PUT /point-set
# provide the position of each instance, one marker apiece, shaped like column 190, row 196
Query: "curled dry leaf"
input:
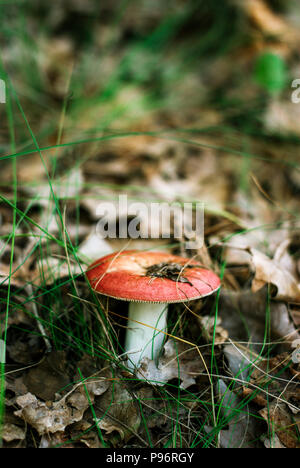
column 44, row 418
column 212, row 327
column 296, row 352
column 277, row 376
column 244, row 311
column 282, row 326
column 270, row 271
column 282, row 117
column 85, row 433
column 12, row 432
column 58, row 439
column 52, row 417
column 116, row 412
column 53, row 370
column 273, row 442
column 94, row 387
column 179, row 361
column 280, row 420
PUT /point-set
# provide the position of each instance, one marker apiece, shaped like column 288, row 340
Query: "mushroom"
column 149, row 281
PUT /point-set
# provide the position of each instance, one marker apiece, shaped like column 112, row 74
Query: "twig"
column 40, row 326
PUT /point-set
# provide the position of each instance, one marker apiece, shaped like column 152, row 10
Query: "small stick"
column 41, row 328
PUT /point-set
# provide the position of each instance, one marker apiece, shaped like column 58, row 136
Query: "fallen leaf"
column 239, row 361
column 273, row 378
column 243, row 427
column 49, row 376
column 270, row 271
column 296, row 353
column 67, row 186
column 84, row 433
column 273, row 442
column 282, row 117
column 56, row 440
column 178, row 361
column 243, row 315
column 49, row 269
column 212, row 328
column 268, row 21
column 279, row 420
column 117, row 412
column 12, row 432
column 46, row 419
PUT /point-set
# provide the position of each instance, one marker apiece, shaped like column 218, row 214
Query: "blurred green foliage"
column 271, row 72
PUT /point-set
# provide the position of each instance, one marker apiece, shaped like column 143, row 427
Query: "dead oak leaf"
column 52, row 417
column 117, row 412
column 53, row 370
column 279, row 420
column 270, row 271
column 11, row 432
column 179, row 361
column 46, row 418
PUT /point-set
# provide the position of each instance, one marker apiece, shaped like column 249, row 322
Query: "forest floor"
column 160, row 102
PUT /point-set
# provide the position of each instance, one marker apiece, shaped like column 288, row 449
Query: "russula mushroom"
column 149, row 281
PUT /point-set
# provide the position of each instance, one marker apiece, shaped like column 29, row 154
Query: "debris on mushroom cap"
column 151, row 277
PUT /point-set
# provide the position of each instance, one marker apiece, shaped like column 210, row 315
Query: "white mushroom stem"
column 142, row 340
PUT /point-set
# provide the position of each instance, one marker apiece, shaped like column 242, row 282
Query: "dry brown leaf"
column 12, row 432
column 58, row 439
column 279, row 420
column 270, row 271
column 46, row 418
column 50, row 269
column 52, row 370
column 243, row 429
column 67, row 186
column 55, row 416
column 268, row 22
column 212, row 327
column 116, row 412
column 273, row 442
column 244, row 317
column 282, row 117
column 277, row 381
column 83, row 432
column 296, row 352
column 179, row 361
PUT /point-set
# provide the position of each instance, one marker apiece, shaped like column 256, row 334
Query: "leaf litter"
column 228, row 374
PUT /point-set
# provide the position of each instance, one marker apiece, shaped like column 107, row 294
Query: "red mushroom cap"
column 143, row 277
